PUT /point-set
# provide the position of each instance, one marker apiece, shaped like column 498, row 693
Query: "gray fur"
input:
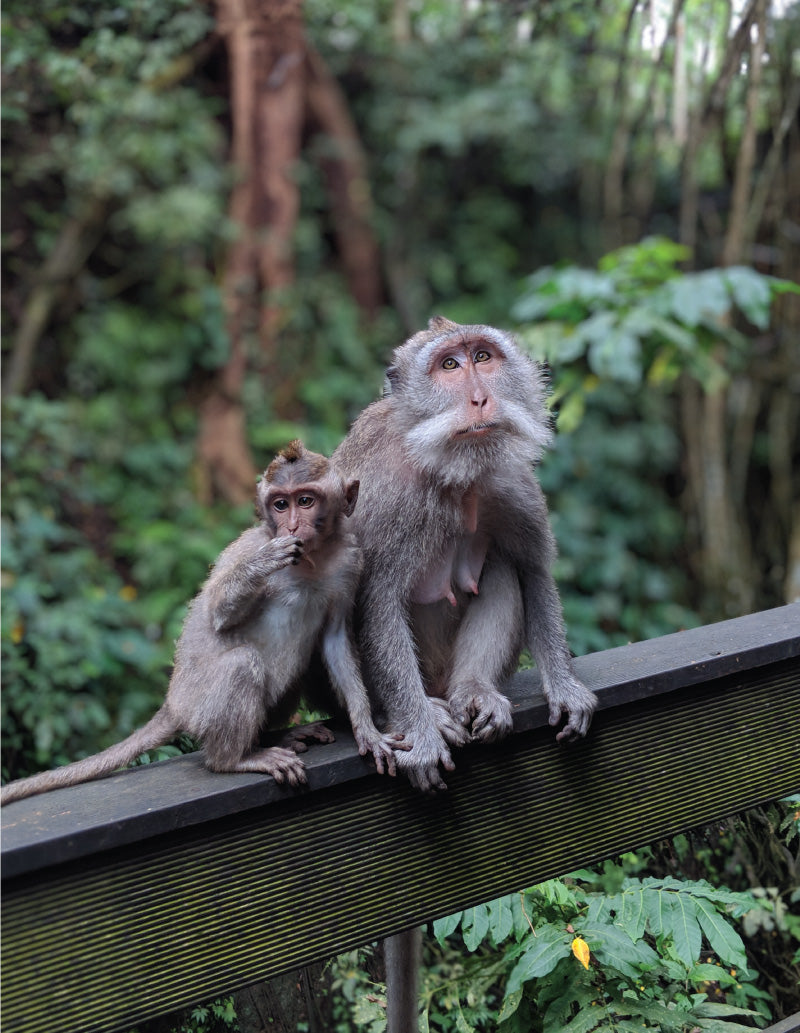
column 269, row 602
column 434, row 496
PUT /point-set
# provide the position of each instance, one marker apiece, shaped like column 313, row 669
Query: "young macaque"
column 283, row 589
column 457, row 545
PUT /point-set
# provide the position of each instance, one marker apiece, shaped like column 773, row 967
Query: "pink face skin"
column 297, row 512
column 467, row 370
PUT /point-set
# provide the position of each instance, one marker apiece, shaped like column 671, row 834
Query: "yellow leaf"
column 581, row 951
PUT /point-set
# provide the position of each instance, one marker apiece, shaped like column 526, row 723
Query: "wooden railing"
column 165, row 885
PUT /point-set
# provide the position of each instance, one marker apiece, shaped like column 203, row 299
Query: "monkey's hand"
column 571, row 697
column 381, row 746
column 486, row 710
column 280, row 552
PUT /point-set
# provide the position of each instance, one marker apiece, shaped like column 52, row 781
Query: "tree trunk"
column 345, row 168
column 724, row 554
column 276, row 82
column 266, row 47
column 281, row 1004
column 76, row 241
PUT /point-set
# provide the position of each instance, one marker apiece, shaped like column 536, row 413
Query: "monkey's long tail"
column 158, row 731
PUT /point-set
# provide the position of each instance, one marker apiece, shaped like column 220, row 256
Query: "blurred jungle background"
column 219, row 219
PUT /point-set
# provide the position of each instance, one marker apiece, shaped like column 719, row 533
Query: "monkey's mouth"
column 476, row 430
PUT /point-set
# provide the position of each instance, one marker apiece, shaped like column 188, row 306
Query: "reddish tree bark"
column 277, row 81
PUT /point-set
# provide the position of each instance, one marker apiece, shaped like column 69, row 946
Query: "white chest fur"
column 287, row 628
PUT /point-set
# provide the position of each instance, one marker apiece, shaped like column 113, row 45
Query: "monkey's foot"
column 284, row 765
column 421, row 762
column 486, row 712
column 571, row 697
column 295, row 739
column 453, row 731
column 381, row 747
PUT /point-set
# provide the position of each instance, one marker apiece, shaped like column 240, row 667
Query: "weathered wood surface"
column 167, row 884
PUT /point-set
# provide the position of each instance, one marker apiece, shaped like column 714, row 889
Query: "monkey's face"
column 463, row 374
column 295, row 513
column 468, row 399
column 304, row 508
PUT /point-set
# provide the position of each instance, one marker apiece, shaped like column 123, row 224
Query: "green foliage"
column 617, row 338
column 115, row 130
column 639, row 318
column 217, row 1016
column 357, row 1001
column 616, row 568
column 664, row 954
column 103, row 545
column 71, row 626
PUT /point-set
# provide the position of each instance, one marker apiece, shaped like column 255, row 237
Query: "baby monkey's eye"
column 280, row 504
column 450, row 363
column 482, row 356
column 306, row 501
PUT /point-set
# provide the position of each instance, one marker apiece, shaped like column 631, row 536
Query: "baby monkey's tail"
column 158, row 731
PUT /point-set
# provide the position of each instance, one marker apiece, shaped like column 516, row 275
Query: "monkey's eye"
column 450, row 363
column 281, row 505
column 306, row 501
column 482, row 356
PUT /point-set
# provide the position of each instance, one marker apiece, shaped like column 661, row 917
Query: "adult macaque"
column 457, row 545
column 282, row 589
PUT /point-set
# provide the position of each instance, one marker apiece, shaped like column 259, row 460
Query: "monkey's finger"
column 382, row 756
column 486, row 730
column 481, row 721
column 427, row 780
column 447, row 761
column 436, row 784
column 453, row 729
column 576, row 727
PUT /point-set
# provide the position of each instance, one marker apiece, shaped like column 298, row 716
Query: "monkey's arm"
column 339, row 656
column 239, row 583
column 565, row 694
column 544, row 627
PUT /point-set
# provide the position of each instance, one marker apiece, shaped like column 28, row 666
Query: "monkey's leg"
column 389, row 655
column 486, row 652
column 232, row 713
column 403, row 954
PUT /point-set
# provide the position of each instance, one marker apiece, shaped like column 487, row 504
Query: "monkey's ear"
column 261, row 498
column 350, row 497
column 392, row 379
column 441, row 323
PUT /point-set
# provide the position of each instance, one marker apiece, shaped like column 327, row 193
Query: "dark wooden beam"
column 167, row 885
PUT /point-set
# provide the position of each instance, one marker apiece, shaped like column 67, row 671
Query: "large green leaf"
column 549, row 946
column 722, row 937
column 614, row 947
column 682, row 926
